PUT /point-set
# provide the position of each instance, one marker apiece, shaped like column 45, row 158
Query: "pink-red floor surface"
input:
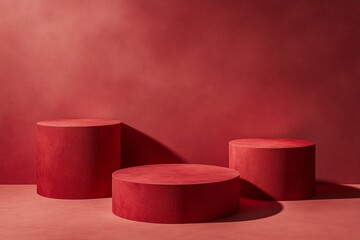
column 333, row 214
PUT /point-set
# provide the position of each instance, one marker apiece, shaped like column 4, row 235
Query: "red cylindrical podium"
column 278, row 169
column 175, row 193
column 76, row 157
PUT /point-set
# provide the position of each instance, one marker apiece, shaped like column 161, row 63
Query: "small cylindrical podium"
column 76, row 157
column 277, row 169
column 175, row 193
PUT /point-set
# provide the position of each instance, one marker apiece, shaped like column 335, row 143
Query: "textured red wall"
column 192, row 75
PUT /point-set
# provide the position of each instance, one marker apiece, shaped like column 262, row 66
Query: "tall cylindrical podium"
column 76, row 157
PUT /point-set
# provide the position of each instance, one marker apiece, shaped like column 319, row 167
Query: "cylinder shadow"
column 251, row 209
column 329, row 190
column 138, row 148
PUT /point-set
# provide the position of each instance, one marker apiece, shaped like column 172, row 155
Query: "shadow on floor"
column 137, row 148
column 254, row 209
column 328, row 190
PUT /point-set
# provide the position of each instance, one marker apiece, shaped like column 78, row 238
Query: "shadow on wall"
column 137, row 148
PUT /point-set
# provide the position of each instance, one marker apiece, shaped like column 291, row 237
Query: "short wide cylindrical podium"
column 175, row 193
column 278, row 169
column 76, row 157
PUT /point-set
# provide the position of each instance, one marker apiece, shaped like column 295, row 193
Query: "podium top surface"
column 175, row 174
column 271, row 143
column 85, row 122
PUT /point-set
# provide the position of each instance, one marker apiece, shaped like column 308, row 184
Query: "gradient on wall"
column 191, row 75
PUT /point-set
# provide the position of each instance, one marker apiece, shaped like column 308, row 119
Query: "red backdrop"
column 191, row 75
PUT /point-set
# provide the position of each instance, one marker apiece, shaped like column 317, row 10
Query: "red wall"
column 191, row 75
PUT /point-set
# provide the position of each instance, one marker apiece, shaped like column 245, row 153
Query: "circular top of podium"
column 175, row 174
column 271, row 143
column 86, row 122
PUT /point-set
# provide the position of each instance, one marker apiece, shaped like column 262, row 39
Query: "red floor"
column 333, row 214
